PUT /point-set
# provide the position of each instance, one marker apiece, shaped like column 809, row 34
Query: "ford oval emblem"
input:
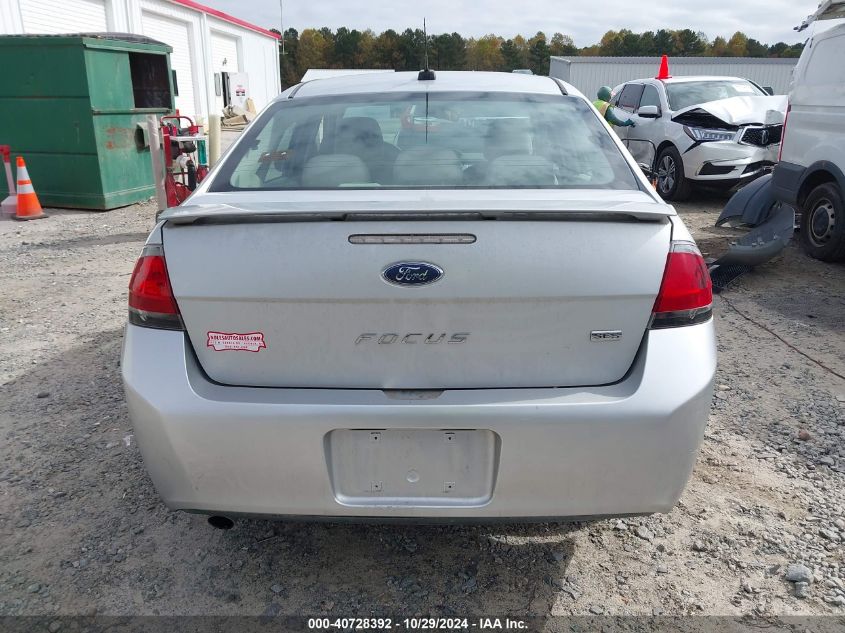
column 412, row 274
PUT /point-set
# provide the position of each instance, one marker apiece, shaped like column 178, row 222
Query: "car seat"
column 428, row 167
column 330, row 171
column 362, row 137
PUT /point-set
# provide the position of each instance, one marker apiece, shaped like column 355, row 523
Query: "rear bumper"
column 627, row 448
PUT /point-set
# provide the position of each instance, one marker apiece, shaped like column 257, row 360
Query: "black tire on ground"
column 823, row 223
column 671, row 182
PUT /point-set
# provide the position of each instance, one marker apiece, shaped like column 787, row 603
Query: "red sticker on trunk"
column 232, row 342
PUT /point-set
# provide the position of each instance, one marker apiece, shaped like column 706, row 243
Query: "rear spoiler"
column 504, row 210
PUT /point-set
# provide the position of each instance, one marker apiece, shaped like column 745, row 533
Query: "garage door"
column 224, row 53
column 178, row 35
column 224, row 58
column 68, row 16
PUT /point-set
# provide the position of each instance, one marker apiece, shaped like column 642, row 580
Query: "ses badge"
column 412, row 274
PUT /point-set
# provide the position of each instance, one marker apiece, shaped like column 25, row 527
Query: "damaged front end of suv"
column 731, row 141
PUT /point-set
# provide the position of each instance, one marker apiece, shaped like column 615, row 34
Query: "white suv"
column 810, row 175
column 718, row 132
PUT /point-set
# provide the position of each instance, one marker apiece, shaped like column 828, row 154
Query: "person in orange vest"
column 602, row 104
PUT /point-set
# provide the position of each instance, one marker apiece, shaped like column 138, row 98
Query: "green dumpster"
column 75, row 107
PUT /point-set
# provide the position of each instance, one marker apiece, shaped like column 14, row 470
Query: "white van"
column 811, row 172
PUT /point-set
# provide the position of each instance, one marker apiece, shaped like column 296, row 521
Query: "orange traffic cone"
column 29, row 208
column 664, row 68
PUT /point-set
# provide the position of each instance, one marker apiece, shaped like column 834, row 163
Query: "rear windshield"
column 690, row 93
column 413, row 141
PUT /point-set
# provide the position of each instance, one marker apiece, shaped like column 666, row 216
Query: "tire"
column 672, row 184
column 823, row 223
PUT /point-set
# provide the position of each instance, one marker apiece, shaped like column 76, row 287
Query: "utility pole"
column 282, row 23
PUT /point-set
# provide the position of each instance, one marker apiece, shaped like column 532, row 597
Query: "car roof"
column 685, row 79
column 679, row 80
column 447, row 81
column 830, row 31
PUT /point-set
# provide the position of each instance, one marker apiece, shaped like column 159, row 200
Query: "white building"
column 588, row 74
column 209, row 46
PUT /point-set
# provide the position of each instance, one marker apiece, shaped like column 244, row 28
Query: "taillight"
column 151, row 301
column 686, row 294
column 783, row 132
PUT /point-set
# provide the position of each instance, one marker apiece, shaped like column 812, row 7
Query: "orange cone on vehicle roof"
column 664, row 68
column 29, row 208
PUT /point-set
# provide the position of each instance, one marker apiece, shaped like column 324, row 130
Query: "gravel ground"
column 759, row 530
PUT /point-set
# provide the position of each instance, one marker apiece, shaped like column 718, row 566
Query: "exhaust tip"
column 221, row 523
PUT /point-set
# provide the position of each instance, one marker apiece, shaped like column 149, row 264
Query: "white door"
column 224, row 59
column 239, row 89
column 177, row 34
column 67, row 16
column 644, row 139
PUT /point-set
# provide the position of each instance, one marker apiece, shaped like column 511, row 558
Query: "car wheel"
column 823, row 223
column 671, row 182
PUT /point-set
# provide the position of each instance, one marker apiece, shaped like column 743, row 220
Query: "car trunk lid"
column 533, row 299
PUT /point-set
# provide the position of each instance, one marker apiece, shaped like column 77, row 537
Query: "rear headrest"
column 428, row 167
column 507, row 137
column 329, row 171
column 521, row 171
column 356, row 133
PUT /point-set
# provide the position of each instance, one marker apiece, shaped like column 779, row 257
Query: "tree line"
column 350, row 48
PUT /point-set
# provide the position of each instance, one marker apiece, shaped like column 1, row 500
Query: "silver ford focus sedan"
column 409, row 297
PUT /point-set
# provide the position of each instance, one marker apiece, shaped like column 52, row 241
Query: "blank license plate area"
column 425, row 468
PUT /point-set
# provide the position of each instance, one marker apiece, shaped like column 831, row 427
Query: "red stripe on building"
column 225, row 16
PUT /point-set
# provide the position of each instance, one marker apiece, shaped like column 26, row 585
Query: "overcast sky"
column 586, row 21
